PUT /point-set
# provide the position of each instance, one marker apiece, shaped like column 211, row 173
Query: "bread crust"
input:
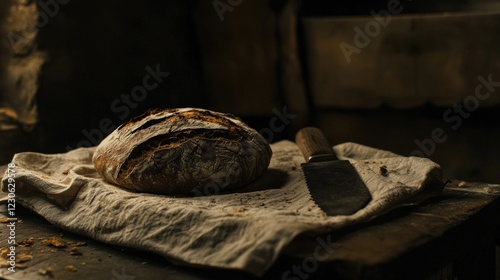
column 183, row 150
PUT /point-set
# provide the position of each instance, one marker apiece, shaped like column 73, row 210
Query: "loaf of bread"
column 184, row 150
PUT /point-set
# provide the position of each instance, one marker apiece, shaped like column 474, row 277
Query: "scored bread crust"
column 184, row 150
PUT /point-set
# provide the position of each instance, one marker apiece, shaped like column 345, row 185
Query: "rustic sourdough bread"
column 182, row 151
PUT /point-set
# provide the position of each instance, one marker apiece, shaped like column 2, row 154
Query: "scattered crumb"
column 23, row 257
column 71, row 268
column 383, row 170
column 46, row 271
column 84, row 263
column 462, row 184
column 4, row 220
column 54, row 241
column 27, row 242
column 75, row 252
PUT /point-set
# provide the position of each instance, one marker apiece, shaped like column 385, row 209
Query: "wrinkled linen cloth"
column 246, row 229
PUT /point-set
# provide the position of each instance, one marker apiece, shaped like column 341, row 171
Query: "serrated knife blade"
column 334, row 184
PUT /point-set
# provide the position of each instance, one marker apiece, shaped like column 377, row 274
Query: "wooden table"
column 454, row 234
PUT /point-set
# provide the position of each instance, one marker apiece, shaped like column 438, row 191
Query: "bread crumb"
column 4, row 220
column 23, row 257
column 75, row 252
column 20, row 258
column 71, row 268
column 54, row 241
column 462, row 184
column 46, row 271
column 27, row 242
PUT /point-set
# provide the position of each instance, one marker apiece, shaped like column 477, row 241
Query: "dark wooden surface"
column 455, row 231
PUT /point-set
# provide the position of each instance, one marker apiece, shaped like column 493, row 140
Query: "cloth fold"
column 246, row 229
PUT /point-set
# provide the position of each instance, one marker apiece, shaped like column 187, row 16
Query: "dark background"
column 97, row 51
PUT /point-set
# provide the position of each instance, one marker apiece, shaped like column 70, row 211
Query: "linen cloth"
column 246, row 229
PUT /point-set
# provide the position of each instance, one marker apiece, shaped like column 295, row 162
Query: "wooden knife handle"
column 314, row 145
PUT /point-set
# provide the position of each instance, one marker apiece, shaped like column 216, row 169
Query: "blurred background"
column 413, row 77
